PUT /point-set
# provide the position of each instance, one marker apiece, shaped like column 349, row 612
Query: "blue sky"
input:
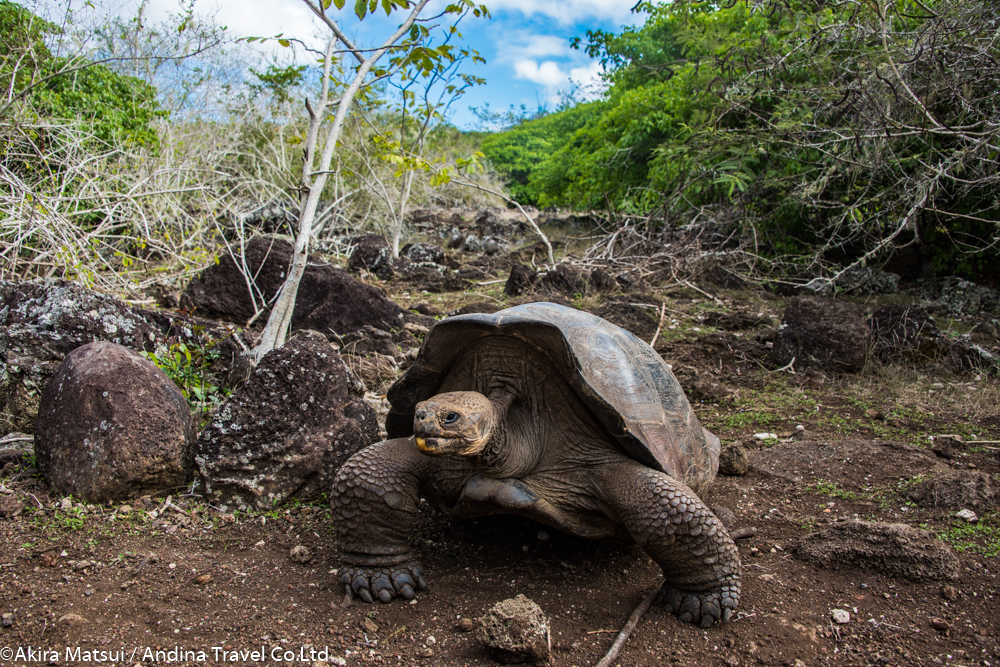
column 526, row 43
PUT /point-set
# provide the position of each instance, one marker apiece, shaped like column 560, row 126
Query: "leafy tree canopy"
column 850, row 127
column 116, row 110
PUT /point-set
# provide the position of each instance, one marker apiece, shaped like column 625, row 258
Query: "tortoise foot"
column 701, row 607
column 384, row 582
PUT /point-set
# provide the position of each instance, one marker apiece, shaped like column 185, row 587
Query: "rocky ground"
column 168, row 579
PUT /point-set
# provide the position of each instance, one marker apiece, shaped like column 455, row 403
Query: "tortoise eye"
column 451, row 418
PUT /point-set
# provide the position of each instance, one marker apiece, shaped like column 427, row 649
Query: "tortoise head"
column 457, row 423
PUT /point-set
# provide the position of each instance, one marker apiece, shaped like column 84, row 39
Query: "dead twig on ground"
column 743, row 533
column 659, row 327
column 790, row 367
column 633, row 620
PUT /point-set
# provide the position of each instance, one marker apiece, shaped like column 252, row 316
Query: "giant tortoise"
column 550, row 413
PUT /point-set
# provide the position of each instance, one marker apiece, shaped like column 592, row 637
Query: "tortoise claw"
column 702, row 607
column 384, row 583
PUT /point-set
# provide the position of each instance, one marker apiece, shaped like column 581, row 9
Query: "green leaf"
column 361, row 8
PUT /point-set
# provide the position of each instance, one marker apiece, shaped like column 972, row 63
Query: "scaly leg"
column 700, row 562
column 374, row 499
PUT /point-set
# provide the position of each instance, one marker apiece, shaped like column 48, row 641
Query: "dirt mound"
column 955, row 490
column 521, row 279
column 894, row 549
column 825, row 333
column 564, row 280
column 851, row 462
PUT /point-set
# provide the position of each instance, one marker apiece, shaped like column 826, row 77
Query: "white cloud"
column 546, row 74
column 588, row 78
column 569, row 11
column 538, row 46
column 584, row 81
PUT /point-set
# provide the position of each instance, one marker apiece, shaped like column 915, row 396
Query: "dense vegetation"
column 128, row 145
column 854, row 128
column 115, row 108
column 813, row 135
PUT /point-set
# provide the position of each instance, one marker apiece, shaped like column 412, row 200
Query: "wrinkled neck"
column 510, row 451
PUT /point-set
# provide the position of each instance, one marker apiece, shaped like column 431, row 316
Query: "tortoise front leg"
column 374, row 499
column 700, row 562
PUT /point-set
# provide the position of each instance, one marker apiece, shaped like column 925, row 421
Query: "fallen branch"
column 659, row 327
column 698, row 289
column 633, row 621
column 743, row 533
column 790, row 367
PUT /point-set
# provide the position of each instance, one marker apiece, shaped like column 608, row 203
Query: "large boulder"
column 866, row 280
column 371, row 252
column 42, row 321
column 329, row 299
column 111, row 426
column 957, row 296
column 422, row 253
column 286, row 431
column 563, row 279
column 829, row 334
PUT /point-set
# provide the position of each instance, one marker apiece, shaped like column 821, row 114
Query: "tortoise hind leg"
column 374, row 498
column 700, row 562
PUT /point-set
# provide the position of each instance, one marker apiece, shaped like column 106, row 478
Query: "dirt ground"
column 173, row 581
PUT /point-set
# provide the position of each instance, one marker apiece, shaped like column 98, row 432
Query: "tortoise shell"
column 625, row 384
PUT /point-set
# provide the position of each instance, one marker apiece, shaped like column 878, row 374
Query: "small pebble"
column 940, row 625
column 72, row 619
column 300, row 554
column 967, row 515
column 465, row 625
column 840, row 616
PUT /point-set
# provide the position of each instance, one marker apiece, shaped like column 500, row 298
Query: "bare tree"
column 406, row 47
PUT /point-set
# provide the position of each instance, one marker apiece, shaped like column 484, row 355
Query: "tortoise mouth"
column 439, row 446
column 446, row 446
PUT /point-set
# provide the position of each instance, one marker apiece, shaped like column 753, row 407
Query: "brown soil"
column 193, row 579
